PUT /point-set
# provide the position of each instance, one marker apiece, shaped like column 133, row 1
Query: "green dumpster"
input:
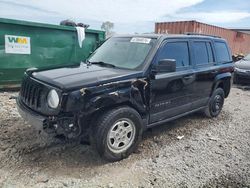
column 27, row 44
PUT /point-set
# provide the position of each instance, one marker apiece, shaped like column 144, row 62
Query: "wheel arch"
column 93, row 116
column 223, row 81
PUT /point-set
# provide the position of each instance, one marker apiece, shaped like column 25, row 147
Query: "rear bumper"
column 30, row 116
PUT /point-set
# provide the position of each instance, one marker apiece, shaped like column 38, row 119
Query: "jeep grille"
column 31, row 94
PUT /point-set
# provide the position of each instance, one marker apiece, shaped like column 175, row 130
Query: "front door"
column 171, row 93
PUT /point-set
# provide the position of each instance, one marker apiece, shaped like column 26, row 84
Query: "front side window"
column 178, row 51
column 123, row 52
column 222, row 52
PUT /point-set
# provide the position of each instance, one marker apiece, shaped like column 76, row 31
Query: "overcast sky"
column 130, row 16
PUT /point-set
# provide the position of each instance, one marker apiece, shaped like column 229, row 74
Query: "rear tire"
column 117, row 133
column 215, row 103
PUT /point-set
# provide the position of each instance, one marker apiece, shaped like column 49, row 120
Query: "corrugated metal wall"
column 239, row 42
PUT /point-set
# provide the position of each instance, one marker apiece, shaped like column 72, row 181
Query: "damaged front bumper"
column 29, row 116
column 66, row 126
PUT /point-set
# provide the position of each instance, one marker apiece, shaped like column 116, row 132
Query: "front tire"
column 215, row 104
column 117, row 133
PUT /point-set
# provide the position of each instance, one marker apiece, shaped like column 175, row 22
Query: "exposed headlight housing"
column 53, row 99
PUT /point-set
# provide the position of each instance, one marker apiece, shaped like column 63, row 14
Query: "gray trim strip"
column 175, row 117
column 191, row 71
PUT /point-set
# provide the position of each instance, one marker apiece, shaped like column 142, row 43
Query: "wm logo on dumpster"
column 17, row 44
column 19, row 40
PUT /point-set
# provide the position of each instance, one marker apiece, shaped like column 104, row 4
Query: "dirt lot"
column 212, row 153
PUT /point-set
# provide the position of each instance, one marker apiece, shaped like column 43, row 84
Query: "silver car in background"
column 242, row 71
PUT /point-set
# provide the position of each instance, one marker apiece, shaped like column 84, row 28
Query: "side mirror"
column 165, row 65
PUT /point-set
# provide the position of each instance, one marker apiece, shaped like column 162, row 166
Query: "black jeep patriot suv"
column 130, row 83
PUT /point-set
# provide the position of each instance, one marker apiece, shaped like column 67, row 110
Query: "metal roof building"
column 239, row 42
column 247, row 31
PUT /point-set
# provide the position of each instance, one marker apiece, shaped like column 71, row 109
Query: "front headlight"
column 53, row 99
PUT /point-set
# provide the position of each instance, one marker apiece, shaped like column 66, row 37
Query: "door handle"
column 188, row 77
column 214, row 72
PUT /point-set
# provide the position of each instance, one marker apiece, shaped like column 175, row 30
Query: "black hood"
column 83, row 75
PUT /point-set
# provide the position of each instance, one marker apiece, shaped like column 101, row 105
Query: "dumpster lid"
column 44, row 25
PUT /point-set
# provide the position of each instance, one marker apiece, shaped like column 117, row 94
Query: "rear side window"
column 210, row 52
column 203, row 53
column 178, row 51
column 222, row 52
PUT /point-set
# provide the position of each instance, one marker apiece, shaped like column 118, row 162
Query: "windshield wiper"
column 102, row 64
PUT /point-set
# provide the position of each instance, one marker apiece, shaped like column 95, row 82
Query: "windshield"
column 128, row 53
column 247, row 57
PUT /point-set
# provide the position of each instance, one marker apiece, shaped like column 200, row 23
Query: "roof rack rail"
column 202, row 34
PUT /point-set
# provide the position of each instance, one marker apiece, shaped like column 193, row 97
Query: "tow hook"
column 13, row 97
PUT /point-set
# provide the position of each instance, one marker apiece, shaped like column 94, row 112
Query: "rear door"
column 171, row 92
column 209, row 56
column 205, row 71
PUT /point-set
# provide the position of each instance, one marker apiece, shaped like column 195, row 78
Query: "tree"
column 107, row 27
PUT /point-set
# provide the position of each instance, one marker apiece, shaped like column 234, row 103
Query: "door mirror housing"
column 165, row 65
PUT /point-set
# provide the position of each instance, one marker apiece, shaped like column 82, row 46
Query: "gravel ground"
column 190, row 152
